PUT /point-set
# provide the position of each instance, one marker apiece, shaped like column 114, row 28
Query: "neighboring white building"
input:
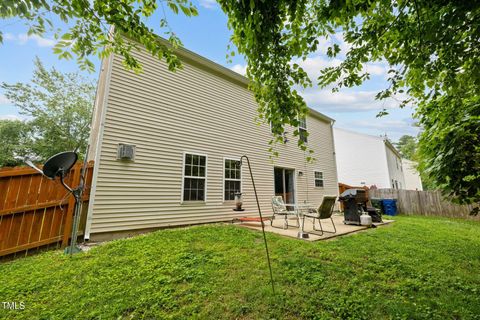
column 367, row 160
column 412, row 178
column 189, row 129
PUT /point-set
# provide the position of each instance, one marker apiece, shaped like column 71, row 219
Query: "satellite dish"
column 59, row 164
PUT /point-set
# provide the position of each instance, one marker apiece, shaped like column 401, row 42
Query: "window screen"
column 194, row 177
column 318, row 179
column 233, row 179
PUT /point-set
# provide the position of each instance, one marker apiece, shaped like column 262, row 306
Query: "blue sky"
column 208, row 35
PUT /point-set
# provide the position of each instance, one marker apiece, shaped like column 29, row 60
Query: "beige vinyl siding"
column 194, row 110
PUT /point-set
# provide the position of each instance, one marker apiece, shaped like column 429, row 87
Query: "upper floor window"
column 194, row 177
column 232, row 179
column 318, row 178
column 302, row 129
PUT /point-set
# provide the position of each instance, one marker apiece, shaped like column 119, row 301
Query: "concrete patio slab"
column 342, row 229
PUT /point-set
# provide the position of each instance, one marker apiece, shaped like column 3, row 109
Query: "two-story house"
column 367, row 160
column 183, row 134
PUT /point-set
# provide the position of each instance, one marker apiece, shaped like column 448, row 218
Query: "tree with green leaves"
column 90, row 27
column 15, row 142
column 407, row 146
column 59, row 106
column 431, row 47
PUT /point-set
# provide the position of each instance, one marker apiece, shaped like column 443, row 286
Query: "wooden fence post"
column 420, row 205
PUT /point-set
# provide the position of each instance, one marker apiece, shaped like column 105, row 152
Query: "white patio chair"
column 280, row 209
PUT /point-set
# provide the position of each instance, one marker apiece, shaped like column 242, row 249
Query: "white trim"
column 295, row 187
column 295, row 180
column 300, row 122
column 98, row 148
column 321, row 116
column 335, row 159
column 314, row 178
column 387, row 167
column 183, row 176
column 305, row 128
column 223, row 178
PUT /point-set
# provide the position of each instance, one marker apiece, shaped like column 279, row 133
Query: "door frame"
column 294, row 181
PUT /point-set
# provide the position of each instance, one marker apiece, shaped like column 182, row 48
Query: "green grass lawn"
column 416, row 268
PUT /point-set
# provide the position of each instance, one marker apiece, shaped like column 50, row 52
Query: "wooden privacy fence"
column 427, row 203
column 36, row 211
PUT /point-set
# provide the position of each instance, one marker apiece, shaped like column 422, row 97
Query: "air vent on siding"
column 126, row 152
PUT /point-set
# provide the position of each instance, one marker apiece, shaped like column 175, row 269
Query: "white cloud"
column 312, row 65
column 346, row 100
column 239, row 68
column 23, row 38
column 8, row 36
column 10, row 117
column 319, row 59
column 337, row 38
column 209, row 4
column 376, row 68
column 4, row 100
column 393, row 128
column 383, row 124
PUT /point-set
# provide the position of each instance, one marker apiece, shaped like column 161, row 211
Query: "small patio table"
column 301, row 209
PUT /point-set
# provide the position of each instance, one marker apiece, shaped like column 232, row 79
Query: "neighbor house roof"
column 382, row 138
column 392, row 147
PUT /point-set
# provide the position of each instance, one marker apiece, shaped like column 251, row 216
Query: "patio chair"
column 324, row 211
column 280, row 209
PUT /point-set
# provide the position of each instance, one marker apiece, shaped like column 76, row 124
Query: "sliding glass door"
column 285, row 184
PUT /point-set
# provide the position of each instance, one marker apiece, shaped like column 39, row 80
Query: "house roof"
column 226, row 73
column 382, row 138
column 392, row 147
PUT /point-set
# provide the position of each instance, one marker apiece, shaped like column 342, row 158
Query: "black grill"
column 354, row 201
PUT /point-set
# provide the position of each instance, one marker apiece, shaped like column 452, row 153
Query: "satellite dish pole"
column 78, row 194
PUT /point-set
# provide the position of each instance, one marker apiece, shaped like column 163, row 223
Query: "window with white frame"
column 194, row 177
column 318, row 178
column 232, row 179
column 302, row 129
column 284, row 133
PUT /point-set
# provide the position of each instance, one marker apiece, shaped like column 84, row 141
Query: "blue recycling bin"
column 389, row 207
